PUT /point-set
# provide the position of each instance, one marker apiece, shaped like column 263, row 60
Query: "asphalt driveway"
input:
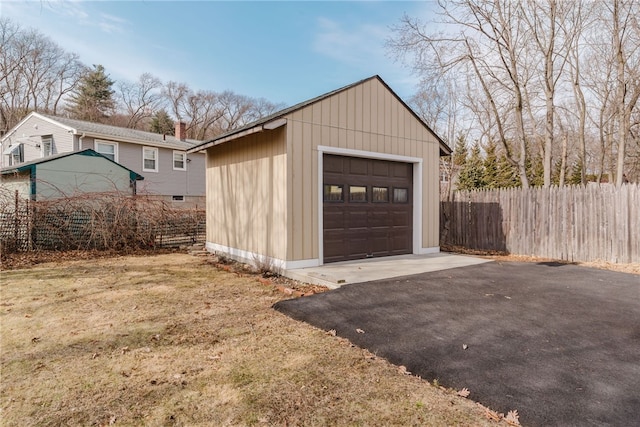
column 559, row 343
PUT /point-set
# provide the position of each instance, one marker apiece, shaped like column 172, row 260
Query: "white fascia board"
column 274, row 124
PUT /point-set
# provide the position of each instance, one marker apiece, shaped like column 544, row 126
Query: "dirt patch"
column 171, row 340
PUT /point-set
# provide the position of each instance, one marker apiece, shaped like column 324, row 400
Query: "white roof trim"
column 53, row 122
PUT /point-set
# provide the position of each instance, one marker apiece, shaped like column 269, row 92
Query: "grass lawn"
column 171, row 340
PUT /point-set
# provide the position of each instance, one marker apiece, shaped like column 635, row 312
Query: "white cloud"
column 356, row 45
column 362, row 47
column 112, row 24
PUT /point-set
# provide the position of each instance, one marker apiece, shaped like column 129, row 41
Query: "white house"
column 170, row 172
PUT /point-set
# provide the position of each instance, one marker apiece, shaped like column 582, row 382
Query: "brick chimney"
column 181, row 131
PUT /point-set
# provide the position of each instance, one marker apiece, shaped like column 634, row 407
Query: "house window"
column 107, row 149
column 149, row 159
column 179, row 161
column 444, row 176
column 177, row 198
column 15, row 153
column 46, row 142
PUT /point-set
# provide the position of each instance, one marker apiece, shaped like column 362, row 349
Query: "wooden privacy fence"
column 568, row 223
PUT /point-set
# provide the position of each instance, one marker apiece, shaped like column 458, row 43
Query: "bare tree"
column 36, row 74
column 626, row 44
column 487, row 44
column 140, row 99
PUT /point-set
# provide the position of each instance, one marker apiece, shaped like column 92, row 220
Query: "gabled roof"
column 30, row 166
column 274, row 120
column 116, row 133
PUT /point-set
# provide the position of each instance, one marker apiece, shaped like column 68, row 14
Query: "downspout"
column 80, row 142
column 32, row 179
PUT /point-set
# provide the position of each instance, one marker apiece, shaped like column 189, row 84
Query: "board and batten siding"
column 165, row 182
column 366, row 117
column 246, row 202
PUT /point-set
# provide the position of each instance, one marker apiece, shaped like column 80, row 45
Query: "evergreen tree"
column 472, row 172
column 162, row 123
column 93, row 99
column 491, row 178
column 575, row 178
column 507, row 174
column 535, row 171
column 460, row 152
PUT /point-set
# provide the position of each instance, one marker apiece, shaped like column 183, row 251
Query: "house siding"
column 366, row 117
column 63, row 140
column 167, row 181
column 20, row 182
column 246, row 186
column 68, row 176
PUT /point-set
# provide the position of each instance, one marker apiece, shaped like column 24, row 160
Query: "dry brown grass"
column 170, row 340
column 632, row 268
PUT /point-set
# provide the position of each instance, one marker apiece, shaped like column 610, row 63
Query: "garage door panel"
column 380, row 169
column 333, row 164
column 358, row 166
column 376, row 226
column 357, row 220
column 334, row 219
column 400, row 218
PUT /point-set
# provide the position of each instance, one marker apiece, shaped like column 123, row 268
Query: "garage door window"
column 333, row 193
column 400, row 195
column 357, row 193
column 380, row 194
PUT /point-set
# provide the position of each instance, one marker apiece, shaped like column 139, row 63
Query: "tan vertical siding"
column 246, row 194
column 366, row 117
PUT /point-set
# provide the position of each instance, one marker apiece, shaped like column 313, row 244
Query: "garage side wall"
column 246, row 197
column 367, row 118
column 75, row 175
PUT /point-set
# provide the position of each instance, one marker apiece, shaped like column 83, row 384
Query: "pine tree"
column 472, row 172
column 575, row 178
column 460, row 152
column 491, row 178
column 162, row 123
column 93, row 99
column 535, row 171
column 507, row 174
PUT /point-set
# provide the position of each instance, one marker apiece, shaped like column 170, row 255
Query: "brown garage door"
column 367, row 209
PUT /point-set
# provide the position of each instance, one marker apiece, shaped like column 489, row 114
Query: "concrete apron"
column 336, row 274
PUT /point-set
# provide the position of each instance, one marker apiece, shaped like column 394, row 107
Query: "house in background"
column 348, row 175
column 170, row 173
column 68, row 174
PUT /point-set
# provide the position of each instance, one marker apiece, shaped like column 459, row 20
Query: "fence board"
column 569, row 223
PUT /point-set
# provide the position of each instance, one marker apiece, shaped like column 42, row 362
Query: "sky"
column 285, row 52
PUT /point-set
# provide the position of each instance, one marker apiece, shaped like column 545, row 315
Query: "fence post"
column 16, row 221
column 31, row 210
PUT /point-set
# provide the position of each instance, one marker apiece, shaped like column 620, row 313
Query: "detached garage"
column 348, row 175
